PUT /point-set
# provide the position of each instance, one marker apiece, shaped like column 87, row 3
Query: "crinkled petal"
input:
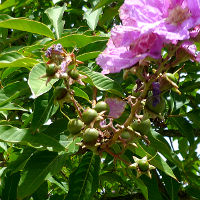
column 124, row 35
column 169, row 18
column 191, row 50
column 195, row 32
column 113, row 60
column 117, row 107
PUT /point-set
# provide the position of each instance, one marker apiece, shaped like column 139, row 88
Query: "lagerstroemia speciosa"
column 96, row 95
column 148, row 29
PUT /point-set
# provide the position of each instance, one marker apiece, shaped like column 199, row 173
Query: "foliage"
column 40, row 159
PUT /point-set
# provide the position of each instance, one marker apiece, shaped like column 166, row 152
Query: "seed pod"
column 89, row 115
column 75, row 126
column 50, row 70
column 102, row 106
column 74, row 74
column 125, row 135
column 142, row 127
column 90, row 136
column 60, row 93
column 159, row 108
column 143, row 164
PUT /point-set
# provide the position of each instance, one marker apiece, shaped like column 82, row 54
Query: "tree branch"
column 176, row 133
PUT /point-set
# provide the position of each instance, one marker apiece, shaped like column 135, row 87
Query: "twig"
column 94, row 97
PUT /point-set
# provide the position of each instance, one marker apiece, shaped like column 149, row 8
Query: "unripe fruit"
column 50, row 70
column 74, row 73
column 90, row 136
column 159, row 108
column 60, row 93
column 125, row 135
column 143, row 165
column 142, row 127
column 89, row 115
column 102, row 106
column 75, row 126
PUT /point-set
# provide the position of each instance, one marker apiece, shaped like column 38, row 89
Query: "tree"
column 97, row 104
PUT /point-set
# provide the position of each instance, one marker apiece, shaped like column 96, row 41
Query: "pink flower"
column 195, row 31
column 171, row 19
column 117, row 107
column 189, row 50
column 113, row 59
column 126, row 47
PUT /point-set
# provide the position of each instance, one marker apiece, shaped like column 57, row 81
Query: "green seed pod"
column 90, row 136
column 60, row 93
column 50, row 70
column 75, row 126
column 74, row 73
column 159, row 108
column 143, row 165
column 89, row 115
column 102, row 106
column 125, row 135
column 142, row 127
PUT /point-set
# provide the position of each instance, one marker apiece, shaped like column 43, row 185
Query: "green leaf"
column 39, row 166
column 14, row 59
column 172, row 186
column 184, row 127
column 93, row 47
column 70, row 144
column 80, row 93
column 43, row 110
column 108, row 14
column 179, row 101
column 77, row 40
column 60, row 185
column 141, row 186
column 23, row 136
column 102, row 82
column 9, row 190
column 11, row 106
column 36, row 83
column 7, row 72
column 111, row 178
column 13, row 91
column 17, row 161
column 10, row 57
column 21, row 62
column 56, row 128
column 195, row 116
column 153, row 189
column 28, row 25
column 7, row 4
column 55, row 15
column 92, row 17
column 102, row 3
column 161, row 145
column 83, row 182
column 42, row 192
column 88, row 56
